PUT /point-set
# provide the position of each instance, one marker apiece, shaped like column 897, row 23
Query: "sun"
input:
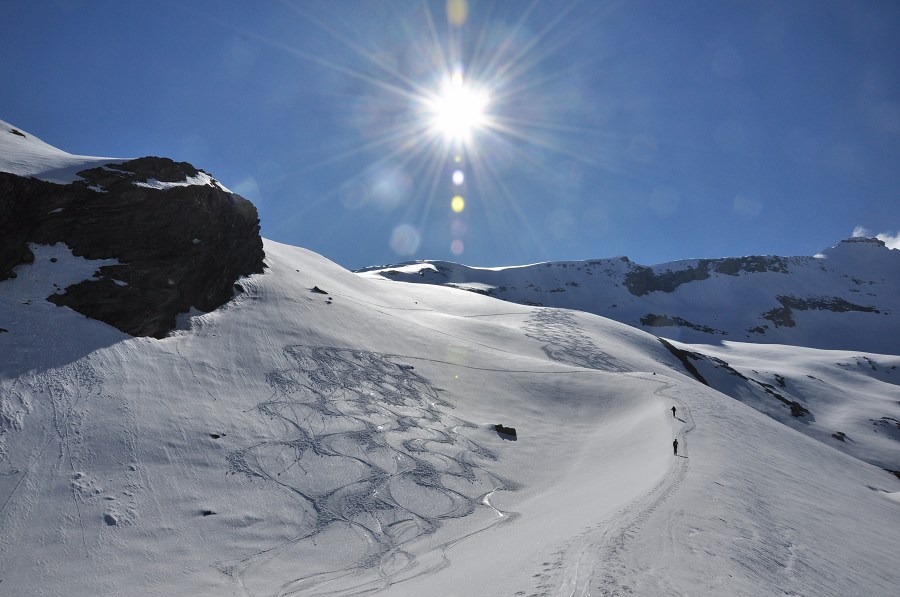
column 458, row 110
column 449, row 126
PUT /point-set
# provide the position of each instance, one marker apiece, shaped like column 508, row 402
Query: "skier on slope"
column 673, row 411
column 675, row 446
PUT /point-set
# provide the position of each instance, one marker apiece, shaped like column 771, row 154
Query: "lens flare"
column 457, row 12
column 479, row 100
column 405, row 240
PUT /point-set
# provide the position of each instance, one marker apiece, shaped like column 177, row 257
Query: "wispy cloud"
column 890, row 239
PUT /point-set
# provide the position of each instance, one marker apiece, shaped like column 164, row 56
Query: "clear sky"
column 659, row 130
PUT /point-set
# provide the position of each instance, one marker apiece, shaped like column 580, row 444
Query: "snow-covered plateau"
column 334, row 433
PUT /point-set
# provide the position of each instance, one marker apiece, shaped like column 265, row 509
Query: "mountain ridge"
column 842, row 298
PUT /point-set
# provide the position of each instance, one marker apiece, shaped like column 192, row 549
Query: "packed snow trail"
column 596, row 562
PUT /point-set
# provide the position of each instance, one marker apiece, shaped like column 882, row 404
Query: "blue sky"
column 657, row 130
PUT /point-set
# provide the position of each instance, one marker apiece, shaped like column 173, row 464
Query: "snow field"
column 300, row 443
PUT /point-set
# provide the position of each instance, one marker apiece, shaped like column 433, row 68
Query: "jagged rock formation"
column 181, row 239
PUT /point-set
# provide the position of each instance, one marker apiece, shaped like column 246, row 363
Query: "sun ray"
column 510, row 123
column 537, row 141
column 367, row 55
column 492, row 65
column 489, row 94
column 516, row 64
column 493, row 185
column 401, row 133
column 435, row 39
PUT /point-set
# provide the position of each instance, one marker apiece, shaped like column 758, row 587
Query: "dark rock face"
column 508, row 432
column 783, row 316
column 177, row 247
column 643, row 280
column 653, row 320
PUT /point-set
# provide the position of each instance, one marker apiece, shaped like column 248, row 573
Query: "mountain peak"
column 862, row 240
column 860, row 252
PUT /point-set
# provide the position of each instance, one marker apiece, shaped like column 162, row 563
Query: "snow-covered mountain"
column 714, row 313
column 846, row 297
column 326, row 432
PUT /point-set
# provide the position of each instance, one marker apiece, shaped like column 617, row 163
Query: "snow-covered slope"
column 24, row 154
column 325, row 433
column 849, row 400
column 847, row 297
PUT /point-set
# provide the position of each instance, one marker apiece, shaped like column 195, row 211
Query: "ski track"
column 392, row 465
column 388, row 461
column 596, row 562
column 63, row 393
column 565, row 343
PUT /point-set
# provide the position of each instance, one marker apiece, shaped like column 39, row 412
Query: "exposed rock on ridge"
column 845, row 297
column 643, row 280
column 180, row 238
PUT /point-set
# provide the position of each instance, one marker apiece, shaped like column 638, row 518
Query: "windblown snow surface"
column 341, row 442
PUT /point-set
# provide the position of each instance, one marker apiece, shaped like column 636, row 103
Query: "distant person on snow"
column 675, row 446
column 673, row 411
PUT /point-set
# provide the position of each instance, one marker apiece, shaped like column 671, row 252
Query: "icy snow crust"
column 300, row 443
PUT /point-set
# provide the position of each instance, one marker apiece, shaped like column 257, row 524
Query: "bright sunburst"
column 458, row 109
column 448, row 117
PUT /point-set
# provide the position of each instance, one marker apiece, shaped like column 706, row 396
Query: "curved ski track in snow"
column 367, row 445
column 596, row 562
column 598, row 558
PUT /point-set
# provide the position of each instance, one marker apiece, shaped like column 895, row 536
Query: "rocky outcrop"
column 783, row 316
column 841, row 298
column 654, row 320
column 505, row 432
column 643, row 280
column 181, row 239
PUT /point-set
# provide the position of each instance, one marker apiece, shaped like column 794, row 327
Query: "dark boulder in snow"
column 509, row 432
column 180, row 238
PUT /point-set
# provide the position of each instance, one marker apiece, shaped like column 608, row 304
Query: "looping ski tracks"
column 368, row 449
column 565, row 343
